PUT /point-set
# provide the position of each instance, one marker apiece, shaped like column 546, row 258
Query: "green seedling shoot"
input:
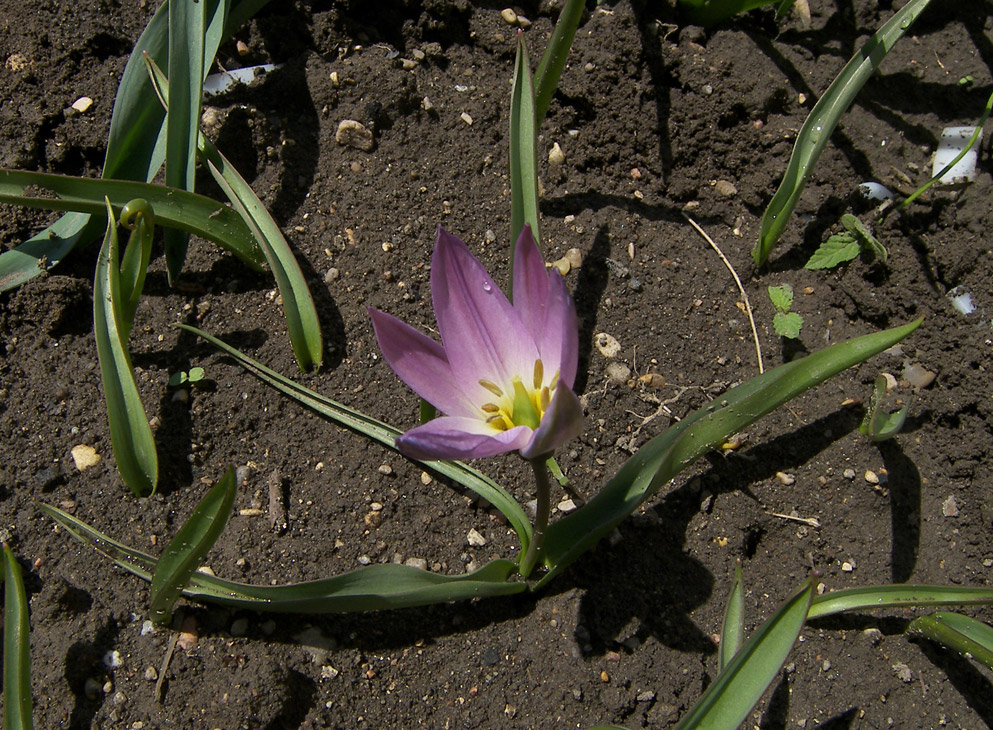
column 880, row 423
column 194, row 375
column 785, row 322
column 843, row 247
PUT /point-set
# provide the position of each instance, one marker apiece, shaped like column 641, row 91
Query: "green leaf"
column 457, row 471
column 966, row 635
column 186, row 70
column 187, row 211
column 733, row 628
column 135, row 146
column 823, row 118
column 838, row 249
column 186, row 551
column 878, row 424
column 887, row 596
column 787, row 324
column 375, row 587
column 137, row 216
column 781, row 297
column 130, row 434
column 726, row 703
column 195, row 375
column 553, row 60
column 177, row 379
column 866, row 240
column 16, row 647
column 523, row 152
column 298, row 304
column 666, row 455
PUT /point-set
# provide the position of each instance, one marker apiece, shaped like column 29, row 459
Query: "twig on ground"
column 748, row 306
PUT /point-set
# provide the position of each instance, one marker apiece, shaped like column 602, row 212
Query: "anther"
column 539, row 373
column 490, row 407
column 492, row 387
column 546, row 399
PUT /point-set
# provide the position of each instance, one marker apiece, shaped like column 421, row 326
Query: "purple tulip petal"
column 421, row 363
column 530, row 283
column 483, row 335
column 460, row 438
column 562, row 422
column 544, row 304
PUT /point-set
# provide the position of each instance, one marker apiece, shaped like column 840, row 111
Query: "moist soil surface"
column 655, row 118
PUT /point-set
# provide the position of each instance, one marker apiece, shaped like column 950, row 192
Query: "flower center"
column 520, row 404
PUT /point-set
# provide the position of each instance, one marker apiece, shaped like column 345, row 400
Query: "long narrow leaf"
column 186, row 37
column 135, row 146
column 888, row 596
column 375, row 587
column 16, row 648
column 186, row 551
column 523, row 152
column 553, row 60
column 137, row 216
column 727, row 702
column 187, row 211
column 964, row 634
column 130, row 434
column 733, row 629
column 662, row 458
column 298, row 304
column 823, row 119
column 380, row 432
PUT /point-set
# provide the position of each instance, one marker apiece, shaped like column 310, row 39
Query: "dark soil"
column 654, row 118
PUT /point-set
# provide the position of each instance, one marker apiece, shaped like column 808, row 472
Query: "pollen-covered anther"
column 490, row 407
column 539, row 374
column 492, row 387
column 546, row 398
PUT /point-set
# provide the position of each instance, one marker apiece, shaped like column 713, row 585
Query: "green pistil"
column 524, row 412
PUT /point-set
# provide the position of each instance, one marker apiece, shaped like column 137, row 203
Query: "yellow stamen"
column 492, row 387
column 546, row 398
column 490, row 407
column 539, row 372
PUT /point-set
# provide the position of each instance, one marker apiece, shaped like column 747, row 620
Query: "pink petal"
column 482, row 333
column 562, row 422
column 421, row 363
column 543, row 303
column 460, row 438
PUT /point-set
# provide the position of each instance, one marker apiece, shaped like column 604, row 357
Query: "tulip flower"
column 503, row 372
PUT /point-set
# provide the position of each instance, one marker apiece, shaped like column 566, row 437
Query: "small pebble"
column 112, row 659
column 555, row 155
column 903, row 672
column 725, row 189
column 847, row 567
column 354, row 134
column 385, row 469
column 85, row 457
column 475, row 539
column 82, row 104
column 618, row 372
column 364, row 560
column 425, row 478
column 575, row 258
column 419, row 563
column 566, row 506
column 786, row 479
column 871, row 477
column 332, row 275
column 509, row 16
column 918, row 376
column 151, row 674
column 466, row 117
column 242, row 48
column 607, row 344
column 651, row 380
column 950, row 507
column 849, row 474
column 873, row 635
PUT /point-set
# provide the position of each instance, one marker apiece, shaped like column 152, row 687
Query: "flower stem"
column 542, row 513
